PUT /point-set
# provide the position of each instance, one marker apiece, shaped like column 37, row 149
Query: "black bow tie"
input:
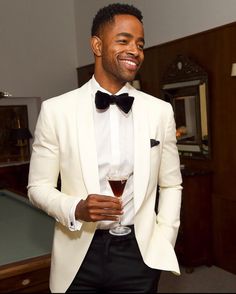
column 123, row 101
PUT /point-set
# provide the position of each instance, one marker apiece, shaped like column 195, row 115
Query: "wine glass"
column 117, row 183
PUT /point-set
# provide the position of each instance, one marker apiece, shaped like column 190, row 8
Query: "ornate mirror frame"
column 185, row 86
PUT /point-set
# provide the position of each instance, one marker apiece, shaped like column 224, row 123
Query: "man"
column 82, row 138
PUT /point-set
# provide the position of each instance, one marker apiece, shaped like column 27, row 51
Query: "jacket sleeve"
column 44, row 169
column 170, row 180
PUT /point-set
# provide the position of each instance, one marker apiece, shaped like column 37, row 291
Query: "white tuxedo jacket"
column 65, row 142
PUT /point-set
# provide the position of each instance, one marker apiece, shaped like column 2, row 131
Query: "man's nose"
column 133, row 49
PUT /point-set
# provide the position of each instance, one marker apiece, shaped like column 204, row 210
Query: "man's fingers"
column 101, row 217
column 99, row 207
column 103, row 202
column 107, row 212
column 104, row 205
column 101, row 198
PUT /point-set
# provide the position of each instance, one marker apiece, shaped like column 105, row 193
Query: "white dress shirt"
column 115, row 150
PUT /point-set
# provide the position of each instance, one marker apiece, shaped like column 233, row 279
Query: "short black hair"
column 107, row 13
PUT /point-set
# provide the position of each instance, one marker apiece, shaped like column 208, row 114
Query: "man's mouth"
column 129, row 64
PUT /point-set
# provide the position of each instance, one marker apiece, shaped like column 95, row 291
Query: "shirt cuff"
column 74, row 224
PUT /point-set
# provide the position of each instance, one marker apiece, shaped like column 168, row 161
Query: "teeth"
column 130, row 62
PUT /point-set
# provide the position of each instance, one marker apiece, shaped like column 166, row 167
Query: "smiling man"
column 107, row 125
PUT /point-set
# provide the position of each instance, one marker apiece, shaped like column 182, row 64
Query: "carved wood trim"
column 183, row 69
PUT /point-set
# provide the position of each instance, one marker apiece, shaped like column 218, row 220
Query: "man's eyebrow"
column 128, row 35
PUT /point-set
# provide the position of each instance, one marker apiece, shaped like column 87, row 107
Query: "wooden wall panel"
column 224, row 233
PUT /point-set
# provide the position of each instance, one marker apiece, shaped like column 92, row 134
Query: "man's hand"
column 98, row 207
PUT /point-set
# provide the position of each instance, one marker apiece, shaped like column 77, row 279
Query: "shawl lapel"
column 141, row 148
column 86, row 140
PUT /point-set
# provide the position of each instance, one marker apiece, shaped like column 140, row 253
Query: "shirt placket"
column 114, row 131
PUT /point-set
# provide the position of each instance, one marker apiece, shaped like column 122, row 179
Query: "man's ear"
column 96, row 45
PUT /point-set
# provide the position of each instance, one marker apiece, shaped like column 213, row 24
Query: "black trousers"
column 113, row 264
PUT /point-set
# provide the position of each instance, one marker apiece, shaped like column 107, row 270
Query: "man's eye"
column 140, row 46
column 122, row 41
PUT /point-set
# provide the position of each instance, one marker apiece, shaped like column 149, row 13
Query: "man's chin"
column 130, row 78
column 127, row 78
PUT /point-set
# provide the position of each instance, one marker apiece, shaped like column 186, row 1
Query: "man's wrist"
column 78, row 210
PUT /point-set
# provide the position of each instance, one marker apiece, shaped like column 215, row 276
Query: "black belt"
column 107, row 238
column 105, row 233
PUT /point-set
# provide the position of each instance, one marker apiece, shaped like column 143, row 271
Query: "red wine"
column 117, row 186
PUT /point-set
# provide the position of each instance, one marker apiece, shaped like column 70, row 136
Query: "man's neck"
column 112, row 87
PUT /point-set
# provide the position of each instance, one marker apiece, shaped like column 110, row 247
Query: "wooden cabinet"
column 28, row 276
column 14, row 177
column 194, row 242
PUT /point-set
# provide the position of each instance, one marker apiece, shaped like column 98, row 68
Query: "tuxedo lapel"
column 141, row 150
column 86, row 140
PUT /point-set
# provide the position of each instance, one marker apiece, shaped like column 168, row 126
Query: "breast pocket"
column 155, row 156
